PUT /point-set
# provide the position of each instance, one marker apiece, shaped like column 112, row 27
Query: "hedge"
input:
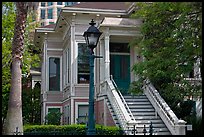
column 68, row 130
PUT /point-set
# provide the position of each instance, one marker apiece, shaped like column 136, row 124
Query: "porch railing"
column 175, row 126
column 124, row 115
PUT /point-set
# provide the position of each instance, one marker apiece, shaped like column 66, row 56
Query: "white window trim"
column 48, row 57
column 76, row 109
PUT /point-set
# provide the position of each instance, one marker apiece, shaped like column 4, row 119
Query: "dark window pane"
column 50, row 13
column 49, row 3
column 42, row 15
column 82, row 114
column 69, row 3
column 54, row 74
column 42, row 4
column 83, row 63
column 59, row 3
column 119, row 47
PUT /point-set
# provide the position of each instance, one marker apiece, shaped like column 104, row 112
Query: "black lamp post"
column 91, row 36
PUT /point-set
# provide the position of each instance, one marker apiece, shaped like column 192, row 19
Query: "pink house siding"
column 99, row 112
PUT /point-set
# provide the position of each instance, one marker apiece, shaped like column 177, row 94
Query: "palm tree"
column 14, row 113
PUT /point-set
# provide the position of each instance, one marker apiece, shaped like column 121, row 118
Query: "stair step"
column 146, row 117
column 154, row 133
column 137, row 100
column 141, row 125
column 143, row 114
column 138, row 103
column 132, row 97
column 147, row 121
column 140, row 106
column 142, row 110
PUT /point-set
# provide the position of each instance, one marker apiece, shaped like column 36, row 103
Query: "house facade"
column 65, row 66
column 65, row 81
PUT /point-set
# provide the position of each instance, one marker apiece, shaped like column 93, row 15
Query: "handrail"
column 118, row 106
column 123, row 100
column 199, row 108
column 165, row 112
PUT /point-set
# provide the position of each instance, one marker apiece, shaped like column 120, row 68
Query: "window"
column 82, row 114
column 49, row 3
column 69, row 3
column 51, row 23
column 66, row 115
column 59, row 3
column 119, row 47
column 50, row 13
column 83, row 63
column 58, row 11
column 42, row 23
column 42, row 14
column 54, row 74
column 53, row 116
column 42, row 4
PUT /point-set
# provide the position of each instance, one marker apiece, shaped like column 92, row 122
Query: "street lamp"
column 91, row 36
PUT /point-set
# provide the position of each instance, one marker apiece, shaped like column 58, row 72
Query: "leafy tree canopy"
column 171, row 43
column 29, row 59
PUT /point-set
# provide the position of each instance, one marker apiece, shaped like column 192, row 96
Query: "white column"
column 102, row 61
column 73, row 59
column 107, row 55
column 72, row 111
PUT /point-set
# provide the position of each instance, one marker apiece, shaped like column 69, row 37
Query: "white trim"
column 80, row 97
column 72, row 111
column 93, row 11
column 118, row 53
column 54, row 49
column 53, row 102
column 76, row 109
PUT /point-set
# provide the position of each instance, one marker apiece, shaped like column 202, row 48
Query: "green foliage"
column 68, row 130
column 29, row 59
column 31, row 103
column 53, row 118
column 197, row 125
column 8, row 18
column 171, row 43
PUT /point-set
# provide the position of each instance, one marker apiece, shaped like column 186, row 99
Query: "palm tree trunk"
column 14, row 115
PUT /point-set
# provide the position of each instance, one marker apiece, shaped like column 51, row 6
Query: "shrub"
column 68, row 130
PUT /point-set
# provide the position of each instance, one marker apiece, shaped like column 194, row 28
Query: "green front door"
column 120, row 70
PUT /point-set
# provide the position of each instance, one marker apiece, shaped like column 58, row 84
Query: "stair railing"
column 122, row 98
column 124, row 118
column 175, row 126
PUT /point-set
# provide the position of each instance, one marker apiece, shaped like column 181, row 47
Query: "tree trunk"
column 14, row 115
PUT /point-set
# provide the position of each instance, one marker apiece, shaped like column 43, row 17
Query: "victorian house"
column 65, row 70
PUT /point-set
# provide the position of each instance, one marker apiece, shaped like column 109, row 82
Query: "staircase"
column 139, row 111
column 144, row 113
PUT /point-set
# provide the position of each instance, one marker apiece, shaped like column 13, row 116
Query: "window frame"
column 50, row 14
column 86, row 74
column 41, row 13
column 48, row 64
column 77, row 104
column 49, row 3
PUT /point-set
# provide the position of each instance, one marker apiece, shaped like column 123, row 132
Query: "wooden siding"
column 54, row 96
column 82, row 90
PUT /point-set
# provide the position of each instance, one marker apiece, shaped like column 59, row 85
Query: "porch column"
column 107, row 54
column 72, row 67
column 102, row 61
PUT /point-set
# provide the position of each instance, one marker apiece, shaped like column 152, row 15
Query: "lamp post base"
column 91, row 132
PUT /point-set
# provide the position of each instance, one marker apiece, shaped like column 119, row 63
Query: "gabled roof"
column 104, row 5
